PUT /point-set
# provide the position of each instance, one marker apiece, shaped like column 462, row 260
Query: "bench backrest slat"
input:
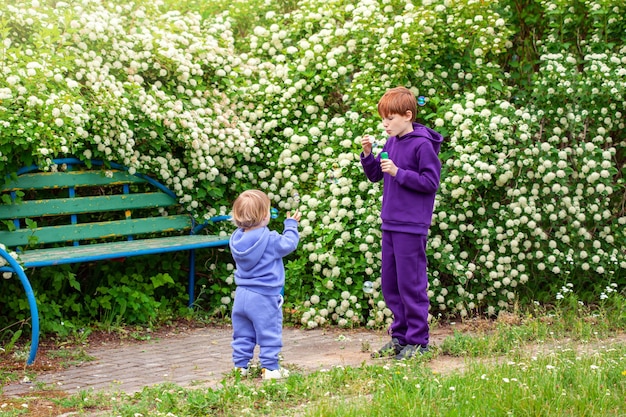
column 55, row 180
column 77, row 205
column 86, row 231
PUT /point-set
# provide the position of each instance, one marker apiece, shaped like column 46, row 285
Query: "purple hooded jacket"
column 409, row 197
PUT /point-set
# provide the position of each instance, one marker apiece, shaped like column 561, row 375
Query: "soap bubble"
column 374, row 143
column 296, row 197
column 368, row 287
column 421, row 100
column 273, row 212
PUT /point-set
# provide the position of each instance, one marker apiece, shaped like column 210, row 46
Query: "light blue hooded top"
column 258, row 255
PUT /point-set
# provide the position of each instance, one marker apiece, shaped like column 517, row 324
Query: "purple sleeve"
column 371, row 167
column 426, row 178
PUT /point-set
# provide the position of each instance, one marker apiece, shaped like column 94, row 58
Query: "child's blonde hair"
column 251, row 208
column 398, row 100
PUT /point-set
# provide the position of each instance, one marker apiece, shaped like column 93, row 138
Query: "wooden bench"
column 83, row 214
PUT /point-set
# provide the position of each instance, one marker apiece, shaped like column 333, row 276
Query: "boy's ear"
column 408, row 115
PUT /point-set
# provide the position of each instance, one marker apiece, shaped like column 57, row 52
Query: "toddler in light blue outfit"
column 258, row 252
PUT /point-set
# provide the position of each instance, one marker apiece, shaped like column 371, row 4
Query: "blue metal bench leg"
column 34, row 312
column 192, row 276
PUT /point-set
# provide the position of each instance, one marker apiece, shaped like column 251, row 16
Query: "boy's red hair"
column 398, row 100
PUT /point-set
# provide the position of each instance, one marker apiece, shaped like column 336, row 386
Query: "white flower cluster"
column 530, row 188
column 531, row 182
column 5, row 255
column 146, row 93
column 348, row 310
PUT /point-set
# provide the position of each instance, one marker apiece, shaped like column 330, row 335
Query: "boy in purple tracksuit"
column 411, row 177
column 260, row 276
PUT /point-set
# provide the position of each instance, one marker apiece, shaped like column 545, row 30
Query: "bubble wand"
column 374, row 143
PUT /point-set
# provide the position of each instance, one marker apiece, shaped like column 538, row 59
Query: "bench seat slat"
column 77, row 205
column 86, row 231
column 112, row 250
column 56, row 180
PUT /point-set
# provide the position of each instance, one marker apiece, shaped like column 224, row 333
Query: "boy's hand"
column 296, row 215
column 366, row 144
column 388, row 167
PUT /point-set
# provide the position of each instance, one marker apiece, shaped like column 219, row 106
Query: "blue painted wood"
column 122, row 249
column 93, row 204
column 85, row 232
column 66, row 179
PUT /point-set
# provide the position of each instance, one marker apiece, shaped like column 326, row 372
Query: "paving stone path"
column 201, row 357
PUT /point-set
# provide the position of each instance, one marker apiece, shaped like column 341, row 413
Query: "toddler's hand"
column 296, row 215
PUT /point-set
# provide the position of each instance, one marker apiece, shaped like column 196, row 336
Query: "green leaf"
column 161, row 279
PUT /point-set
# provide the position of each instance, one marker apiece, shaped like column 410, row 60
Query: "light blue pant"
column 257, row 319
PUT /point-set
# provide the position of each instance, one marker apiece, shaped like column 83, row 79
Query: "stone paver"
column 201, row 357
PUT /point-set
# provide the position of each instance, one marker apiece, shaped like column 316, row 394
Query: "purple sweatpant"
column 405, row 285
column 257, row 319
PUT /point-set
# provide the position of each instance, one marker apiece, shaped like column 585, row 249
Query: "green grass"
column 557, row 363
column 560, row 382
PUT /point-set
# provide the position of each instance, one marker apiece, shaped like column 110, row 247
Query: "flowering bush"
column 532, row 189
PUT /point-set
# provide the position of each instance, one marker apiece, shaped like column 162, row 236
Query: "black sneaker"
column 409, row 351
column 391, row 348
